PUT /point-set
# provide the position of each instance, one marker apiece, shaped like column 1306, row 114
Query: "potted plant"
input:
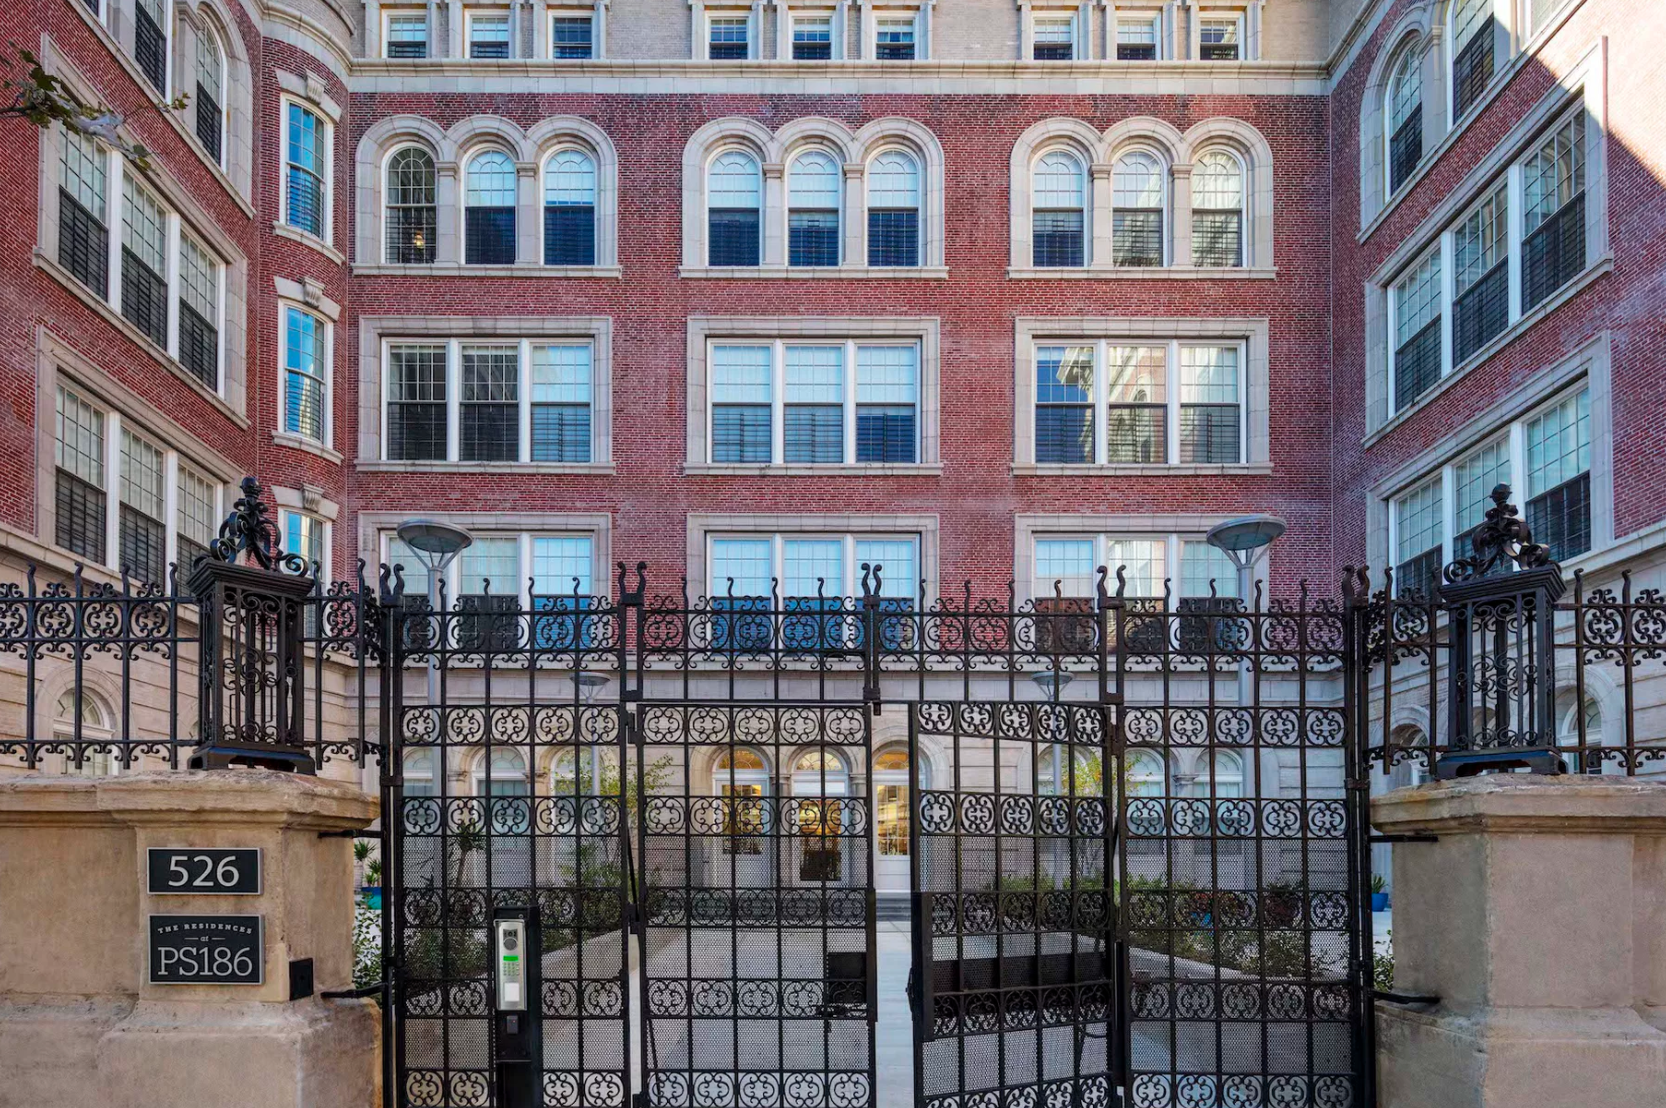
column 1379, row 893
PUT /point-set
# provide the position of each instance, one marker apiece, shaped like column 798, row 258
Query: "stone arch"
column 1082, row 140
column 552, row 134
column 370, row 175
column 1417, row 29
column 1256, row 156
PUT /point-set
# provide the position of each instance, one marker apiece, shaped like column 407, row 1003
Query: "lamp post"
column 436, row 546
column 1052, row 683
column 1245, row 541
column 589, row 686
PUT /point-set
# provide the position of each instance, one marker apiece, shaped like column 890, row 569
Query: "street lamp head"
column 1052, row 682
column 435, row 542
column 1245, row 535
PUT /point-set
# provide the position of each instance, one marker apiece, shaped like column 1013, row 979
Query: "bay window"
column 814, row 403
column 306, row 173
column 304, row 379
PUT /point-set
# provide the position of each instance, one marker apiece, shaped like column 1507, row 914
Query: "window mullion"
column 170, row 268
column 523, row 561
column 1171, row 384
column 170, row 509
column 777, row 564
column 112, row 490
column 777, row 402
column 850, row 402
column 848, row 566
column 1243, row 405
column 1448, row 513
column 1518, row 462
column 115, row 201
column 1448, row 287
column 1101, row 393
column 523, row 395
column 453, row 399
column 1514, row 192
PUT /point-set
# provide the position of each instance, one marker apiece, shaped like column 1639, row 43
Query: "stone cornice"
column 1524, row 805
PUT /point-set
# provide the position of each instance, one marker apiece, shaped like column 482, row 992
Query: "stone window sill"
column 144, row 341
column 285, row 231
column 859, row 469
column 459, row 269
column 1240, row 469
column 298, row 442
column 815, row 273
column 500, row 468
column 1143, row 273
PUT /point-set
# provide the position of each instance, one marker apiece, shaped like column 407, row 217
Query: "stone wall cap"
column 238, row 796
column 1568, row 804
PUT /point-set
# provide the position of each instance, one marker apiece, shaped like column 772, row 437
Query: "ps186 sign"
column 206, row 950
column 203, row 871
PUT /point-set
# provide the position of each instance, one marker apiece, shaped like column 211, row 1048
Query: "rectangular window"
column 1218, row 39
column 303, row 535
column 417, row 403
column 83, row 234
column 303, row 385
column 561, row 403
column 407, row 35
column 489, row 405
column 304, row 176
column 733, row 234
column 1417, row 354
column 887, row 396
column 813, row 39
column 1064, row 586
column 728, row 38
column 488, row 592
column 144, row 261
column 1559, row 477
column 1058, row 239
column 150, row 42
column 142, row 530
column 1159, row 402
column 196, row 523
column 572, row 36
column 1136, row 40
column 199, row 313
column 1553, row 212
column 488, row 34
column 1417, row 555
column 815, row 578
column 813, row 238
column 1473, row 479
column 79, row 458
column 1054, row 38
column 1481, row 260
column 741, row 404
column 814, row 408
column 894, row 40
column 561, row 583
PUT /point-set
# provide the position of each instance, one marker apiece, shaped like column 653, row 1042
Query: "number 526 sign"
column 200, row 871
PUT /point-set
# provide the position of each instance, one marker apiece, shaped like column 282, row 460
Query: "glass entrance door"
column 890, row 790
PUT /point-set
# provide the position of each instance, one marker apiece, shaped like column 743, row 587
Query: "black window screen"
column 489, row 410
column 1561, row 518
column 1472, row 68
column 1209, row 434
column 208, row 122
column 1136, row 433
column 1218, row 51
column 407, row 49
column 80, row 510
column 1481, row 311
column 561, row 432
column 199, row 346
column 1217, row 238
column 1405, row 148
column 813, row 433
column 150, row 48
column 490, row 236
column 740, row 433
column 732, row 235
column 144, row 297
column 1063, row 433
column 1136, row 237
column 885, row 433
column 813, row 238
column 83, row 244
column 569, row 234
column 1554, row 253
column 893, row 237
column 1417, row 364
column 1056, row 238
column 142, row 550
column 416, row 404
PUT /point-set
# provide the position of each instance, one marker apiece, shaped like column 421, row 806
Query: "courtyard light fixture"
column 1245, row 541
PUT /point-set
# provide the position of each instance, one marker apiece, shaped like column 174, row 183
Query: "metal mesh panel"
column 1481, row 312
column 1209, row 433
column 1217, row 238
column 208, row 122
column 142, row 551
column 199, row 347
column 741, row 433
column 569, row 234
column 885, row 433
column 489, row 236
column 1472, row 69
column 1417, row 364
column 1561, row 518
column 1063, row 433
column 813, row 433
column 79, row 512
column 1405, row 149
column 813, row 238
column 144, row 297
column 1136, row 237
column 150, row 48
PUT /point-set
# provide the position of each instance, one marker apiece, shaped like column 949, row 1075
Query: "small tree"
column 43, row 99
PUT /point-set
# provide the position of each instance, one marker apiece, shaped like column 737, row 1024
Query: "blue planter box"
column 1379, row 901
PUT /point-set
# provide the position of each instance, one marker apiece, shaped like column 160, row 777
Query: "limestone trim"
column 702, row 330
column 1253, row 333
column 775, row 152
column 924, row 525
column 1098, row 153
column 1525, row 804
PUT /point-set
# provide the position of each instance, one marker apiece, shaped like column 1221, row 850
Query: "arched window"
column 1087, row 777
column 1570, row 722
column 411, row 218
column 1218, row 210
column 1145, row 774
column 813, row 200
column 211, row 95
column 421, row 776
column 734, row 202
column 1058, row 227
column 1403, row 117
column 489, row 212
column 1413, row 769
column 1137, row 210
column 1470, row 33
column 508, row 776
column 80, row 716
column 820, row 782
column 1228, row 782
column 570, row 208
column 894, row 209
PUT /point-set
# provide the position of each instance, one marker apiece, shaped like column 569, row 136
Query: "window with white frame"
column 1160, row 402
column 84, row 211
column 1054, row 38
column 814, row 403
column 144, row 261
column 728, row 37
column 1545, row 459
column 734, row 209
column 1059, row 210
column 303, row 536
column 811, row 576
column 306, row 171
column 1490, row 249
column 489, row 209
column 412, row 213
column 305, row 375
column 572, row 37
column 1220, row 38
column 1470, row 35
column 1137, row 202
column 893, row 183
column 150, row 42
column 815, row 188
column 464, row 401
column 211, row 106
column 199, row 312
column 1403, row 119
column 94, row 445
column 1065, row 579
column 488, row 34
column 895, row 38
column 1217, row 209
column 1540, row 13
column 406, row 34
column 812, row 38
column 570, row 207
column 1137, row 39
